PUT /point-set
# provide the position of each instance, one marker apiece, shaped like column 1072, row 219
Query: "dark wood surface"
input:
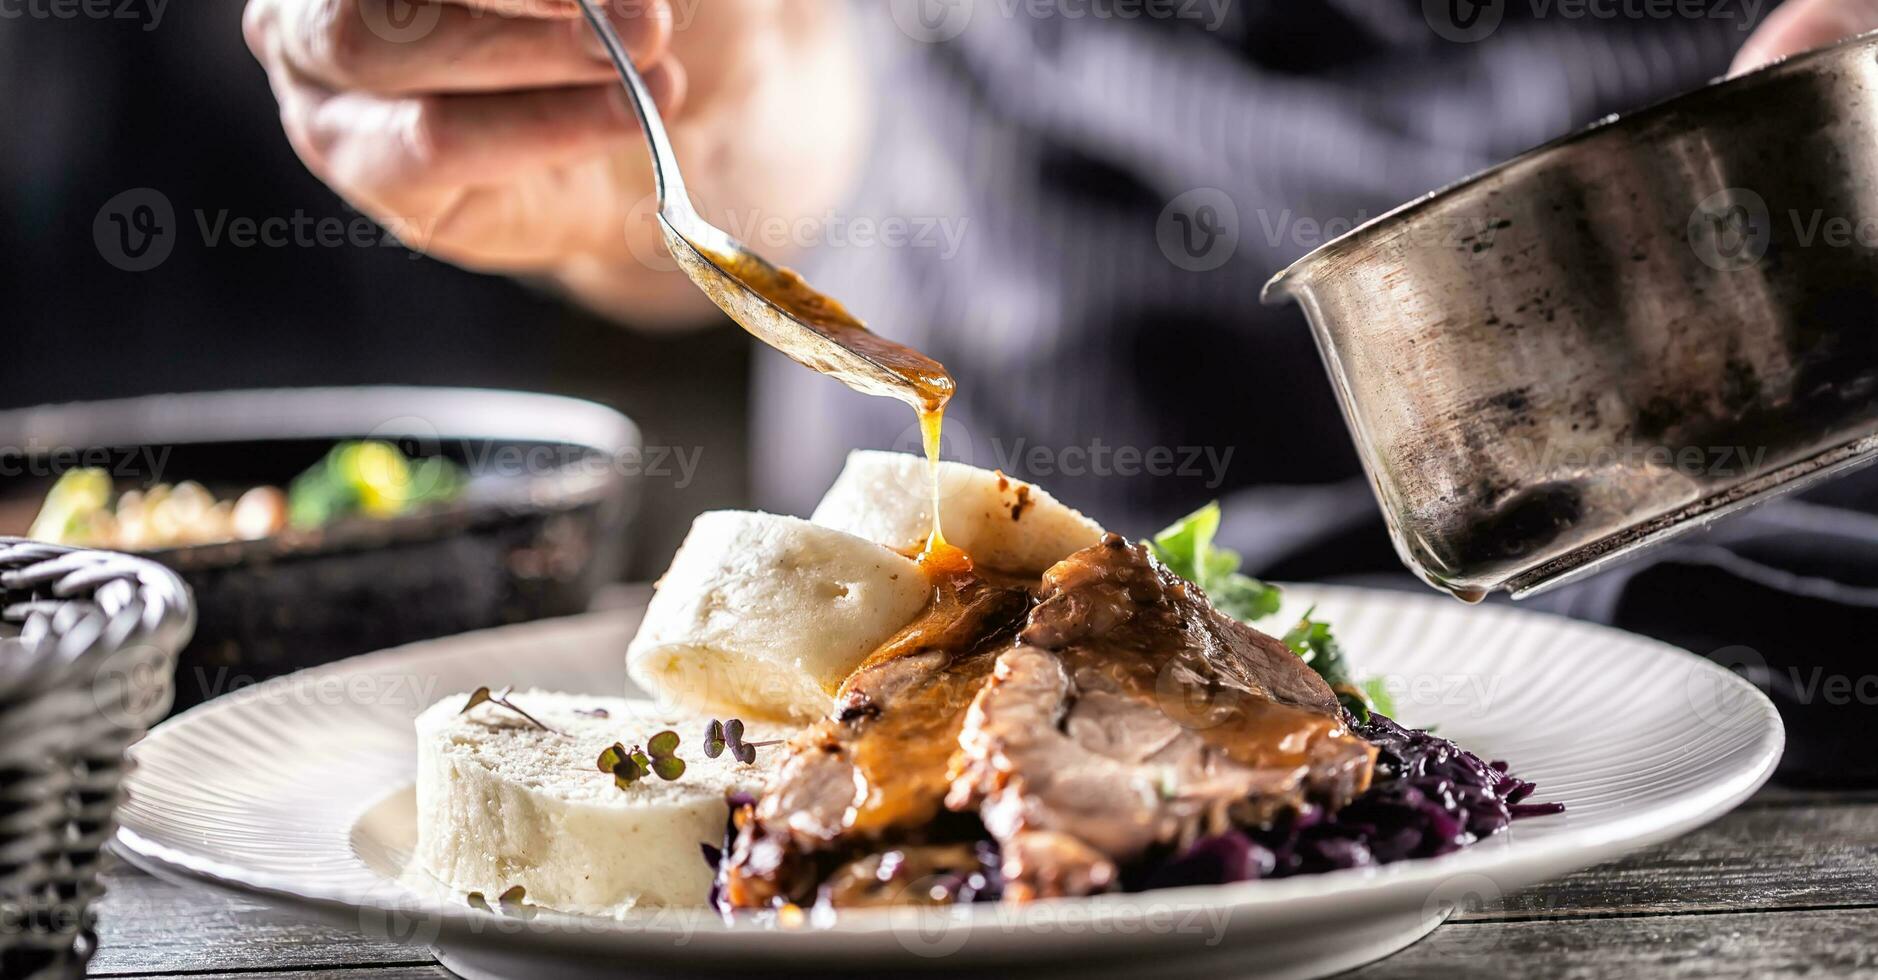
column 1786, row 886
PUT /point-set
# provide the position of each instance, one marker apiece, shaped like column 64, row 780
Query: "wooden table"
column 1786, row 886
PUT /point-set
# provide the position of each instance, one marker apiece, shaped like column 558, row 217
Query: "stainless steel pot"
column 1618, row 336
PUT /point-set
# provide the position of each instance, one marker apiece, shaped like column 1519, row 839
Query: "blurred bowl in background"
column 539, row 528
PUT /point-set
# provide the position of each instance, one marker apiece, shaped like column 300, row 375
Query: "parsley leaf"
column 1314, row 642
column 1187, row 550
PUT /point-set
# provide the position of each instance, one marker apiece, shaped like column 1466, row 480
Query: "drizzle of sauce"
column 913, row 378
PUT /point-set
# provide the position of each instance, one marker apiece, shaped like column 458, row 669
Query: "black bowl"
column 540, row 527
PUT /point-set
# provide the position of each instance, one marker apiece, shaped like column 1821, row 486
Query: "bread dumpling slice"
column 503, row 803
column 1001, row 522
column 764, row 616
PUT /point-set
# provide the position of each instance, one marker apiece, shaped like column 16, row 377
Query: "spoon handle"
column 669, row 180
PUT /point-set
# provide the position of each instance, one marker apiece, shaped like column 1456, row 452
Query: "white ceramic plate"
column 298, row 791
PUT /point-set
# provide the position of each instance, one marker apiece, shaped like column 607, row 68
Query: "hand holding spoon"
column 771, row 302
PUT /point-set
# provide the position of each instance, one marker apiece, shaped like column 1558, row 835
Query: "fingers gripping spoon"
column 772, row 302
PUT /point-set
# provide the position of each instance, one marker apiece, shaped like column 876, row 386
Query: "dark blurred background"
column 173, row 103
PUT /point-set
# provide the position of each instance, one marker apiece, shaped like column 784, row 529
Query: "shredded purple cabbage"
column 1429, row 797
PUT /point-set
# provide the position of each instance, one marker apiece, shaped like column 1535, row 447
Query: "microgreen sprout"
column 728, row 735
column 629, row 766
column 482, row 696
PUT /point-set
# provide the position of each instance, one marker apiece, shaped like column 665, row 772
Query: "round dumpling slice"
column 764, row 616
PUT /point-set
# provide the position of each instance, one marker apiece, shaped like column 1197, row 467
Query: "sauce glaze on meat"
column 1103, row 715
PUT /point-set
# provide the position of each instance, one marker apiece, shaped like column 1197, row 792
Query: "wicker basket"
column 88, row 644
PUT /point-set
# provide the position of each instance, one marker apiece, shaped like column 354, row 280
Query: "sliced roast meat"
column 874, row 777
column 1121, row 715
column 1132, row 715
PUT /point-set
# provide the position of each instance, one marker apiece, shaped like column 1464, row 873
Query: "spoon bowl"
column 773, row 303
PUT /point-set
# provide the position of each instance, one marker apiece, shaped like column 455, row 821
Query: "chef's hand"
column 494, row 134
column 1802, row 25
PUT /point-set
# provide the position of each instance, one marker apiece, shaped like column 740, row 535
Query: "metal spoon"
column 770, row 302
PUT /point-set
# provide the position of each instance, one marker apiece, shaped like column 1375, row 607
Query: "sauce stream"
column 910, row 376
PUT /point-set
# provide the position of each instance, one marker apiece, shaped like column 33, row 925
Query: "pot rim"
column 1278, row 289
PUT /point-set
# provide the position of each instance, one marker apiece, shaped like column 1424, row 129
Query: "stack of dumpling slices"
column 760, row 617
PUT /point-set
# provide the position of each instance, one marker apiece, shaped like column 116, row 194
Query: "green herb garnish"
column 665, row 761
column 629, row 766
column 1314, row 642
column 482, row 696
column 1187, row 550
column 728, row 735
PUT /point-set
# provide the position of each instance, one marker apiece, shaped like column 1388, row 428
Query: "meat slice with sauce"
column 1131, row 715
column 1120, row 715
column 861, row 797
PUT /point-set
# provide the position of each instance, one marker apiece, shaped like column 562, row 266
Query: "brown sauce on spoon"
column 918, row 380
